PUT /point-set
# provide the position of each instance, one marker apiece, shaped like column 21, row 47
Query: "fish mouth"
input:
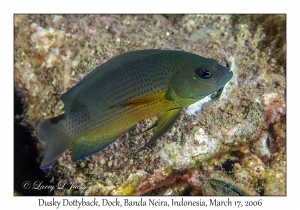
column 227, row 77
column 229, row 73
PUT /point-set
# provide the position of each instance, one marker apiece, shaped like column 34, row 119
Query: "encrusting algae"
column 240, row 132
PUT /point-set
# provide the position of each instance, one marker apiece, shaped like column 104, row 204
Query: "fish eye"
column 204, row 73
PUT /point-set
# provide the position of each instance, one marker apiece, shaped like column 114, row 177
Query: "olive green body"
column 120, row 93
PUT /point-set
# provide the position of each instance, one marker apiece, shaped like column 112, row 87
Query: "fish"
column 123, row 91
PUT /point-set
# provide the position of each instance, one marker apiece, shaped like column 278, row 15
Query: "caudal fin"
column 57, row 141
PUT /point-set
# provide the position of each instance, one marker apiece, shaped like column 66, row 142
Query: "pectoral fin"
column 164, row 124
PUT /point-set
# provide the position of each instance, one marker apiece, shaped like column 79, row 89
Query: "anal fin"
column 84, row 148
column 165, row 122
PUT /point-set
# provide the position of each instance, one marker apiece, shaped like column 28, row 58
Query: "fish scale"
column 123, row 91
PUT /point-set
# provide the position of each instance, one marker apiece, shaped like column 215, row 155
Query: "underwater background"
column 237, row 139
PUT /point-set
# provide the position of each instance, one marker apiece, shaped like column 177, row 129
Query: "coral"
column 242, row 131
column 275, row 183
column 232, row 84
column 178, row 181
column 252, row 172
column 274, row 108
column 130, row 185
column 192, row 109
column 261, row 147
column 199, row 147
